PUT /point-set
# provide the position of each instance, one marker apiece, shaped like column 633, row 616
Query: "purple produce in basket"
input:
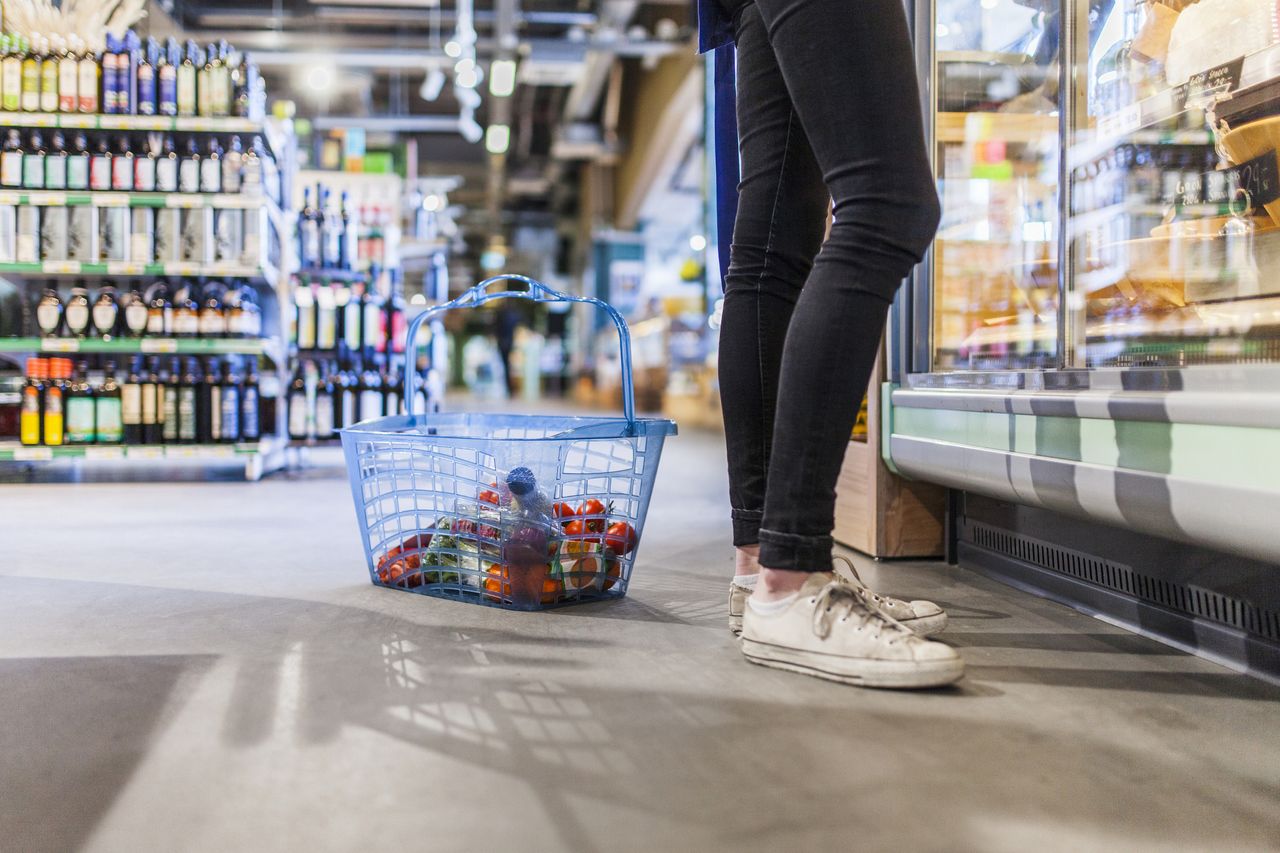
column 528, row 542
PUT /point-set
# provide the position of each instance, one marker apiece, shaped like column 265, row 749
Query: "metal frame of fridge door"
column 1188, row 561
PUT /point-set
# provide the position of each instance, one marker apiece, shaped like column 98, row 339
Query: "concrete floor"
column 206, row 667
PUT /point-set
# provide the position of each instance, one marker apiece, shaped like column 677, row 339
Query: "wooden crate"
column 878, row 512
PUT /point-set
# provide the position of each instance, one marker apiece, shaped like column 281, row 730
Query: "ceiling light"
column 497, row 138
column 452, row 49
column 502, row 77
column 698, row 243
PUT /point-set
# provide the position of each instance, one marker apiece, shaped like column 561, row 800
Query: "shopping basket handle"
column 537, row 292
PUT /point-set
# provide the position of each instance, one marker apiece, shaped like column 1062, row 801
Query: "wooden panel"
column 855, row 511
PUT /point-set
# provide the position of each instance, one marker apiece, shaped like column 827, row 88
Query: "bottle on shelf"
column 147, row 78
column 130, row 54
column 209, row 428
column 78, row 166
column 68, row 77
column 230, row 397
column 326, row 318
column 106, row 313
column 11, row 160
column 213, row 318
column 297, row 405
column 113, row 233
column 186, row 313
column 168, row 61
column 220, row 82
column 32, row 64
column 110, row 77
column 33, row 162
column 345, row 404
column 49, row 75
column 352, row 316
column 122, row 169
column 395, row 323
column 371, row 397
column 305, row 302
column 189, row 403
column 55, row 163
column 54, row 413
column 391, row 391
column 131, row 404
column 373, row 325
column 89, row 77
column 135, row 314
column 189, row 169
column 144, row 166
column 330, row 230
column 167, row 167
column 251, row 405
column 232, row 163
column 30, row 419
column 80, row 408
column 186, row 101
column 49, row 312
column 211, row 168
column 149, row 383
column 11, row 76
column 251, row 168
column 308, row 233
column 159, row 311
column 100, row 166
column 172, row 380
column 77, row 314
column 347, row 245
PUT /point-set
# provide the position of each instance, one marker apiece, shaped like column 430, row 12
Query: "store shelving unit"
column 256, row 457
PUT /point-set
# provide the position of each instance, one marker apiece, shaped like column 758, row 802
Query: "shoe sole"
column 735, row 625
column 861, row 672
column 925, row 626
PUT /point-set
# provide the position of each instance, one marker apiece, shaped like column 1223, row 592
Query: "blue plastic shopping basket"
column 434, row 511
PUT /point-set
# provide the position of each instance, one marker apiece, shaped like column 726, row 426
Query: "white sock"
column 771, row 608
column 746, row 581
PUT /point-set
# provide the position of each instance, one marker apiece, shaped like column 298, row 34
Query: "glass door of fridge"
column 1171, row 136
column 994, row 294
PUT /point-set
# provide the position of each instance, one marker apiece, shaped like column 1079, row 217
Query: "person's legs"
column 781, row 215
column 850, row 75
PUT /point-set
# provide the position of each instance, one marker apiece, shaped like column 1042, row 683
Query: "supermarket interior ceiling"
column 393, row 68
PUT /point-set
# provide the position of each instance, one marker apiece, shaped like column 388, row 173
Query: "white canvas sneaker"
column 831, row 632
column 923, row 617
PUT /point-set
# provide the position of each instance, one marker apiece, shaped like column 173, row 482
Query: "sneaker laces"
column 872, row 599
column 841, row 599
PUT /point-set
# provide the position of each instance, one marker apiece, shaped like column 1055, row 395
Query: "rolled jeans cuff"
column 746, row 526
column 795, row 552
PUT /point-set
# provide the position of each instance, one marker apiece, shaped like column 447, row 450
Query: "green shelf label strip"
column 203, row 452
column 57, row 198
column 125, row 268
column 153, row 346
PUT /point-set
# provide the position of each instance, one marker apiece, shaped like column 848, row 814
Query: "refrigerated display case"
column 1095, row 338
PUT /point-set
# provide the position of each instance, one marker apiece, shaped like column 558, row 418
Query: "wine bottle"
column 55, row 164
column 168, row 60
column 33, row 162
column 147, row 78
column 80, row 408
column 11, row 160
column 49, row 313
column 49, row 74
column 187, row 82
column 106, row 313
column 108, row 409
column 231, row 391
column 131, row 404
column 150, row 384
column 11, row 76
column 172, row 394
column 250, row 406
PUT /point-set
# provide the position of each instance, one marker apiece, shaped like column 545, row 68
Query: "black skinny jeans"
column 828, row 110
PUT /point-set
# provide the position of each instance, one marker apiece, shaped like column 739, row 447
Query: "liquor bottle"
column 110, row 76
column 108, row 409
column 11, row 160
column 304, row 299
column 196, row 235
column 122, row 170
column 186, row 313
column 30, row 427
column 330, row 231
column 49, row 313
column 298, row 420
column 209, row 429
column 165, row 402
column 113, row 233
column 33, row 162
column 231, row 392
column 32, row 68
column 352, row 316
column 80, row 408
column 149, row 382
column 188, row 403
column 204, row 80
column 250, row 406
column 167, row 167
column 68, row 77
column 391, row 392
column 327, row 403
column 172, row 390
column 89, row 74
column 77, row 313
column 49, row 75
column 106, row 312
column 128, row 60
column 78, row 163
column 326, row 318
column 251, row 168
column 167, row 79
column 100, row 166
column 373, row 325
column 232, row 163
column 347, row 242
column 11, row 76
column 187, row 81
column 344, row 403
column 213, row 318
column 395, row 323
column 371, row 398
column 144, row 166
column 211, row 168
column 131, row 404
column 147, row 78
column 159, row 311
column 220, row 99
column 135, row 313
column 54, row 413
column 238, row 76
column 308, row 233
column 189, row 169
column 55, row 164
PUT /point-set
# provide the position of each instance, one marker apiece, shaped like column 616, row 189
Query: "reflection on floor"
column 207, row 668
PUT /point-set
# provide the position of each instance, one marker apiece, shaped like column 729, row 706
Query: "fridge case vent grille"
column 1182, row 598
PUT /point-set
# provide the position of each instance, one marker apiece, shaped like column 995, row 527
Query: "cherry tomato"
column 563, row 510
column 490, row 497
column 594, row 511
column 575, row 529
column 620, row 537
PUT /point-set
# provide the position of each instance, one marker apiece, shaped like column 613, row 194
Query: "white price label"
column 152, row 122
column 47, row 199
column 62, row 267
column 40, row 119
column 146, row 452
column 182, row 269
column 33, row 454
column 111, row 199
column 112, row 121
column 60, row 345
column 9, row 198
column 1121, row 122
column 159, row 345
column 183, row 200
column 125, row 268
column 82, row 121
column 104, row 453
